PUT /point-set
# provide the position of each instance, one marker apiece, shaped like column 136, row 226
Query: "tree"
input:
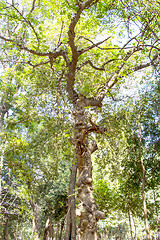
column 30, row 174
column 86, row 69
column 26, row 150
column 126, row 159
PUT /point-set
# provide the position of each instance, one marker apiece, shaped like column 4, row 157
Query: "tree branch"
column 17, row 122
column 145, row 65
column 92, row 46
column 93, row 66
column 33, row 6
column 97, row 101
column 49, row 54
column 28, row 22
column 79, row 3
column 59, row 40
column 71, row 35
column 115, row 78
column 37, row 65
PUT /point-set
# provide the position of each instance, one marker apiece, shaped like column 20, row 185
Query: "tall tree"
column 131, row 155
column 85, row 68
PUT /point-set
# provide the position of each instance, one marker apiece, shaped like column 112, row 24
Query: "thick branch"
column 73, row 64
column 145, row 65
column 97, row 101
column 74, row 21
column 115, row 79
column 47, row 54
column 92, row 128
column 85, row 131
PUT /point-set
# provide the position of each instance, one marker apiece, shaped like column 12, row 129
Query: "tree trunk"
column 3, row 111
column 105, row 235
column 156, row 210
column 143, row 181
column 1, row 167
column 86, row 209
column 61, row 229
column 35, row 220
column 135, row 228
column 144, row 202
column 70, row 233
column 5, row 232
column 57, row 232
column 49, row 231
column 119, row 232
column 130, row 224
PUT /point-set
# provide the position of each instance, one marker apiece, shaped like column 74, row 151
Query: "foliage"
column 56, row 52
column 118, row 161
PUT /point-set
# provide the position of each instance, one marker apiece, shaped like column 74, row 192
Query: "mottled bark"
column 70, row 233
column 87, row 208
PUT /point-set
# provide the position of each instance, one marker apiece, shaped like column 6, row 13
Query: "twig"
column 59, row 43
column 28, row 22
column 33, row 6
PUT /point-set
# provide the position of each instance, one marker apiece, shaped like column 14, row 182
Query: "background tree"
column 118, row 160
